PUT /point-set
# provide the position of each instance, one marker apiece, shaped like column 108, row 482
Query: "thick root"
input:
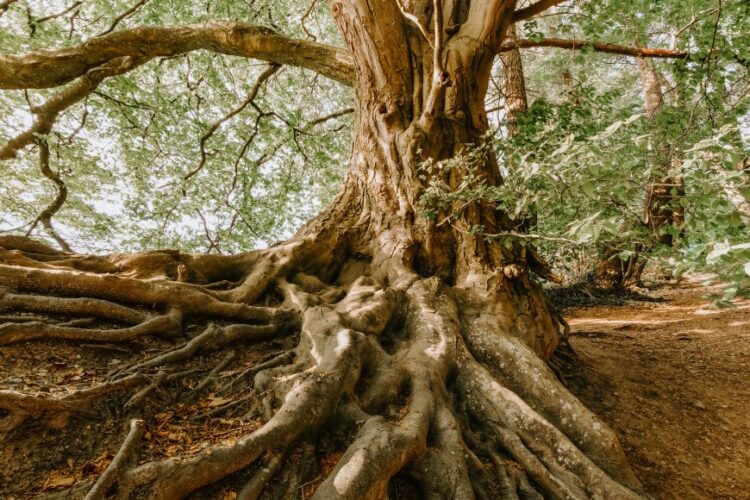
column 437, row 389
column 119, row 462
column 169, row 325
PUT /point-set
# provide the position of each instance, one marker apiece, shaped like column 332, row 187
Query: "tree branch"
column 273, row 68
column 128, row 13
column 47, row 113
column 331, row 116
column 415, row 21
column 45, row 69
column 5, row 5
column 562, row 43
column 534, row 9
column 67, row 10
column 45, row 217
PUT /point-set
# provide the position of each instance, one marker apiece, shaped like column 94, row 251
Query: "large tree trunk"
column 422, row 344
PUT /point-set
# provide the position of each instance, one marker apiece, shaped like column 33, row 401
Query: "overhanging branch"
column 47, row 113
column 596, row 46
column 534, row 9
column 51, row 68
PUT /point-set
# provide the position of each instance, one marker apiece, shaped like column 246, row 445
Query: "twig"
column 211, row 377
column 73, row 6
column 305, row 16
column 273, row 68
column 281, row 359
column 117, row 467
column 128, row 13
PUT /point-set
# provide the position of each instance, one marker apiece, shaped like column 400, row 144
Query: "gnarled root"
column 442, row 390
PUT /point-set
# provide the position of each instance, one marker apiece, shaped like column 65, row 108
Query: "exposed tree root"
column 72, row 307
column 447, row 388
column 24, row 406
column 119, row 462
column 169, row 324
column 254, row 487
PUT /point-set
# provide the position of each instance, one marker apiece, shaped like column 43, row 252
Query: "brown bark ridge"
column 516, row 100
column 423, row 346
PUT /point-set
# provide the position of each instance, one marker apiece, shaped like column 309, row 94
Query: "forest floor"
column 673, row 379
column 667, row 370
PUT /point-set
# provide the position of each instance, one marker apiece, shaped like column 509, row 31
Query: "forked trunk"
column 411, row 118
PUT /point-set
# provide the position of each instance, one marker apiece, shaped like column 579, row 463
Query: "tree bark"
column 516, row 100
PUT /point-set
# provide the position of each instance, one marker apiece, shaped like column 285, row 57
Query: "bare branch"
column 45, row 69
column 534, row 9
column 128, row 13
column 213, row 242
column 67, row 10
column 273, row 68
column 435, row 99
column 304, row 17
column 609, row 48
column 62, row 194
column 331, row 116
column 437, row 62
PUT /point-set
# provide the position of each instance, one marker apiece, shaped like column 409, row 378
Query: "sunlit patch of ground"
column 673, row 378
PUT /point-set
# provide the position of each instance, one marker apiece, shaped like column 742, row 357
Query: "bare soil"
column 673, row 379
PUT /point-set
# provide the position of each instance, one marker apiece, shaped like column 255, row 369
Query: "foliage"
column 124, row 151
column 582, row 157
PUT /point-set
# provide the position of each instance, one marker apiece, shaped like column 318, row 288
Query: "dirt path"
column 673, row 378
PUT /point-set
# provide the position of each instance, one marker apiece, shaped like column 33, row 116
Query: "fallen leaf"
column 58, row 480
column 219, row 402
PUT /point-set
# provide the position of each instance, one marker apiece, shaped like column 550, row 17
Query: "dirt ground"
column 673, row 378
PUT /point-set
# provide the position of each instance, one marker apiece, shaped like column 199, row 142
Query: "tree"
column 422, row 340
column 662, row 211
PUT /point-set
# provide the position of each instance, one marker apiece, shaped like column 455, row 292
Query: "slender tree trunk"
column 662, row 209
column 516, row 103
column 516, row 99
